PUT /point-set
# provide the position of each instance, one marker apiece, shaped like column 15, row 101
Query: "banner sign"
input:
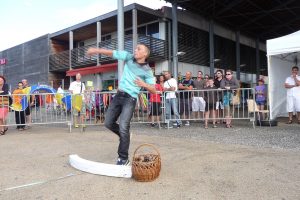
column 2, row 61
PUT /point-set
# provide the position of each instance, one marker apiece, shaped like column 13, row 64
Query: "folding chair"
column 253, row 108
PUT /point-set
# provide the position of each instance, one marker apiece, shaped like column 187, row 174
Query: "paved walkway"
column 239, row 163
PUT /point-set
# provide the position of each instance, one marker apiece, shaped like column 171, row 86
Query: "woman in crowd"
column 155, row 104
column 206, row 76
column 4, row 105
column 161, row 80
column 230, row 84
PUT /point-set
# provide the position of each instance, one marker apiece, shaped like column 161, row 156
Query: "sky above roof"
column 24, row 20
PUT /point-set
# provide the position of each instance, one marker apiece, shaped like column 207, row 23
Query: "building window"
column 153, row 30
column 142, row 30
column 107, row 37
column 81, row 49
column 128, row 32
column 195, row 43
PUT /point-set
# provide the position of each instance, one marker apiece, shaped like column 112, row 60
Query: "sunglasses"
column 228, row 74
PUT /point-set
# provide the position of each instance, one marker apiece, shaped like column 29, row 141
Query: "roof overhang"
column 88, row 29
column 256, row 18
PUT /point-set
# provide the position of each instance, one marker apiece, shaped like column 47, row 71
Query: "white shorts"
column 198, row 104
column 219, row 105
column 293, row 104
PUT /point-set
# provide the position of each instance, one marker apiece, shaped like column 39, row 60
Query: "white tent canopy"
column 283, row 53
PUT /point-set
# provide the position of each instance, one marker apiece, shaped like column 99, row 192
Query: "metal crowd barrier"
column 26, row 110
column 193, row 105
column 97, row 103
column 233, row 103
column 49, row 109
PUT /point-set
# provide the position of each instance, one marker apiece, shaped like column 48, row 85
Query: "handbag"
column 77, row 100
column 5, row 101
column 235, row 100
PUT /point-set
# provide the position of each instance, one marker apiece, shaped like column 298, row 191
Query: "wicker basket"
column 146, row 167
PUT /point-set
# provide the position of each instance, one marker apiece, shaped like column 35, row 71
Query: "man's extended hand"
column 139, row 82
column 92, row 51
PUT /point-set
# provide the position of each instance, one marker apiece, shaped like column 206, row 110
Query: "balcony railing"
column 60, row 61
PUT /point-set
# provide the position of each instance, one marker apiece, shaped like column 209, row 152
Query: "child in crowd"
column 210, row 97
column 260, row 92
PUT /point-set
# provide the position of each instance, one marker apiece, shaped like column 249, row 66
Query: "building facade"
column 60, row 55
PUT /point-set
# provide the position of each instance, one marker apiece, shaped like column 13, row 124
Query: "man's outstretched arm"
column 93, row 51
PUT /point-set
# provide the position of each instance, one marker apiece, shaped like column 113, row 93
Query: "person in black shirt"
column 230, row 84
column 210, row 96
column 186, row 96
column 219, row 103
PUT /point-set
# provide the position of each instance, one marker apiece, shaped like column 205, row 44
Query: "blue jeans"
column 121, row 106
column 172, row 103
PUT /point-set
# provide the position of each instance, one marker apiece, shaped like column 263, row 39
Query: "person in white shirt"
column 170, row 87
column 292, row 84
column 60, row 90
column 77, row 87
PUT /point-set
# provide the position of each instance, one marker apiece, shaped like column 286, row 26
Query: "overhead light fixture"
column 242, row 65
column 180, row 53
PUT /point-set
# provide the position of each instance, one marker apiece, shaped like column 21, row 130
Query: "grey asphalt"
column 217, row 163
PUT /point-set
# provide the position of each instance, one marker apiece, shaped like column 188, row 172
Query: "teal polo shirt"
column 133, row 70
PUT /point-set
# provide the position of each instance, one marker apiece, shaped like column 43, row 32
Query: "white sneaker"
column 187, row 123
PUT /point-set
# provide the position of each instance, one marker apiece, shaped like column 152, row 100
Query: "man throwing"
column 136, row 75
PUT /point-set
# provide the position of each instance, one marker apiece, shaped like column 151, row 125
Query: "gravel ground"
column 197, row 163
column 283, row 136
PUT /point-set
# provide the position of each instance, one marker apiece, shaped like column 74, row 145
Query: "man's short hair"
column 210, row 78
column 229, row 70
column 221, row 71
column 295, row 67
column 147, row 49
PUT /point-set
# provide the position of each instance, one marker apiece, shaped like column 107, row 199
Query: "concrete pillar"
column 134, row 29
column 170, row 64
column 211, row 48
column 120, row 36
column 98, row 81
column 98, row 39
column 70, row 51
column 238, row 55
column 175, row 39
column 257, row 59
column 162, row 29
